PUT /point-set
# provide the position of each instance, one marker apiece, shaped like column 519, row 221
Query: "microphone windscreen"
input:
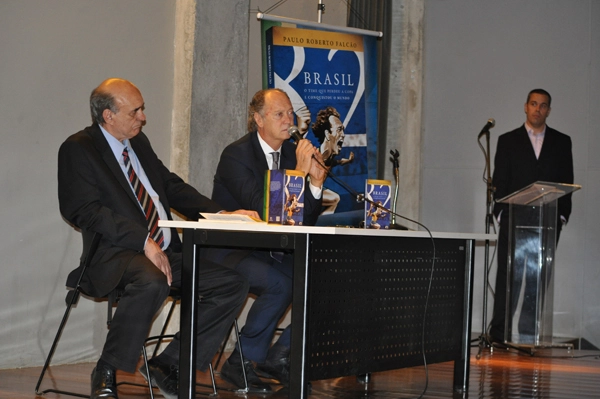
column 294, row 133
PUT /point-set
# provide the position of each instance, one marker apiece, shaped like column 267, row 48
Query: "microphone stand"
column 395, row 155
column 483, row 338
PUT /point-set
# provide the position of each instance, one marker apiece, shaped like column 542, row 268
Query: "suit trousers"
column 222, row 291
column 271, row 281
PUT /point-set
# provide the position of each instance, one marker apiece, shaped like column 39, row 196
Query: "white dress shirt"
column 267, row 150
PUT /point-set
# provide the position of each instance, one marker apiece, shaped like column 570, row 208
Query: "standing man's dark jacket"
column 516, row 165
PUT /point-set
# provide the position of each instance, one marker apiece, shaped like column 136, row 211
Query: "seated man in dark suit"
column 239, row 182
column 110, row 181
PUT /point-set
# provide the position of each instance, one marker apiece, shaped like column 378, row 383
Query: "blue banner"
column 331, row 79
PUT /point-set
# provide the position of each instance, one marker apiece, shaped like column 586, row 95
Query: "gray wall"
column 53, row 55
column 481, row 60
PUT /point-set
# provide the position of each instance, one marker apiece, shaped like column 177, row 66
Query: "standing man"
column 530, row 153
column 239, row 182
column 110, row 181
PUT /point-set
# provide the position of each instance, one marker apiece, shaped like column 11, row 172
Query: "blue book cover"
column 284, row 197
column 330, row 78
column 379, row 194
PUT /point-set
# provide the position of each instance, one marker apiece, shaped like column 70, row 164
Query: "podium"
column 531, row 247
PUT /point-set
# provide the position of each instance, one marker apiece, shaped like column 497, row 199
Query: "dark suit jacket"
column 95, row 196
column 239, row 181
column 516, row 165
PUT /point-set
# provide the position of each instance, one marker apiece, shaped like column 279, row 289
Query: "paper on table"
column 229, row 217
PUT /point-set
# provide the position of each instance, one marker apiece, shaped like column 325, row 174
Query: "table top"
column 277, row 228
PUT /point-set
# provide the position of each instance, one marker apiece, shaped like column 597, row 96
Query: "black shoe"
column 163, row 376
column 277, row 364
column 104, row 382
column 233, row 373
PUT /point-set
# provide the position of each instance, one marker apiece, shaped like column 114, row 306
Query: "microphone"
column 490, row 124
column 294, row 133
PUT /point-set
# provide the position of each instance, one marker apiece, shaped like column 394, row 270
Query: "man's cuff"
column 563, row 220
column 317, row 192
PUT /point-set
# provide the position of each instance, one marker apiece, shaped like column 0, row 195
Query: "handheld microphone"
column 294, row 133
column 490, row 124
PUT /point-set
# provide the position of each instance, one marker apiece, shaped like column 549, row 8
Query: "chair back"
column 73, row 294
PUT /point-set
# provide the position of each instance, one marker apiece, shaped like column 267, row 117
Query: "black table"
column 359, row 297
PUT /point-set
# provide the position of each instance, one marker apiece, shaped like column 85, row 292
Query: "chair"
column 211, row 368
column 72, row 298
column 239, row 345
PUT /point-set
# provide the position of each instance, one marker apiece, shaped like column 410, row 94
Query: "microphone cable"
column 295, row 135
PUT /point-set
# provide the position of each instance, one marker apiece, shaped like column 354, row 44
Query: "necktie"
column 278, row 256
column 145, row 201
column 275, row 160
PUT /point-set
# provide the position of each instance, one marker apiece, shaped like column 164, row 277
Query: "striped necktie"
column 278, row 256
column 275, row 160
column 145, row 201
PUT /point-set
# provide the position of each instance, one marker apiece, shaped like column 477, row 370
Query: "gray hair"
column 257, row 105
column 100, row 99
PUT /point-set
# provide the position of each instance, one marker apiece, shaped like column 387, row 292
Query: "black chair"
column 72, row 298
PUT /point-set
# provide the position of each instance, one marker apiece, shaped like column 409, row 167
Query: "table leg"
column 298, row 355
column 461, row 366
column 188, row 325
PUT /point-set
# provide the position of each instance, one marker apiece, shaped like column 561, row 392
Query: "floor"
column 498, row 373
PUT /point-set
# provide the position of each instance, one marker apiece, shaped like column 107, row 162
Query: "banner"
column 331, row 79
